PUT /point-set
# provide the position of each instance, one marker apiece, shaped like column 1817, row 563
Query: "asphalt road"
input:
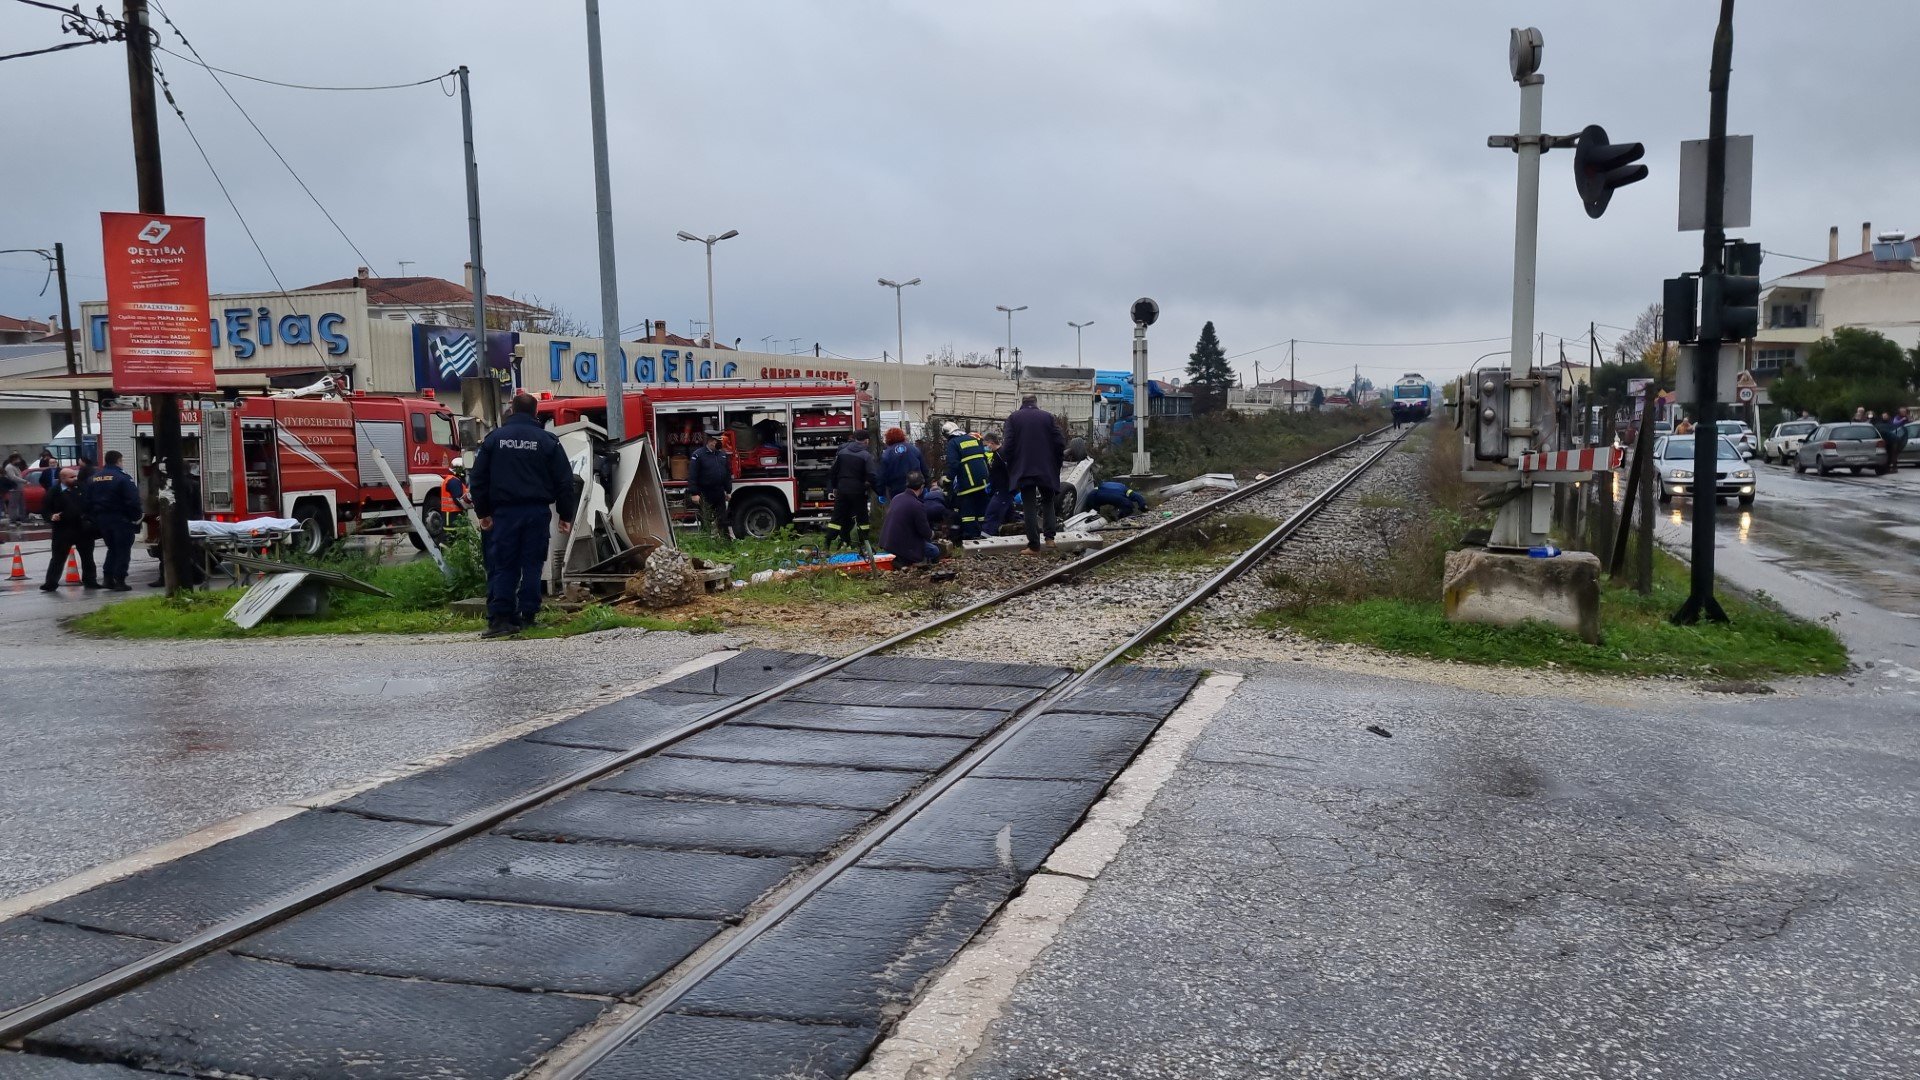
column 113, row 747
column 1507, row 887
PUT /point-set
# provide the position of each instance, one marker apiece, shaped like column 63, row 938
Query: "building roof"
column 1286, row 385
column 1863, row 263
column 430, row 292
column 9, row 324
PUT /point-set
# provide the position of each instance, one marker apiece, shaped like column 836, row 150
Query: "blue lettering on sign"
column 669, row 365
column 97, row 332
column 329, row 327
column 556, row 351
column 296, row 330
column 248, row 330
column 727, row 372
column 266, row 326
column 586, row 367
column 643, row 369
column 239, row 331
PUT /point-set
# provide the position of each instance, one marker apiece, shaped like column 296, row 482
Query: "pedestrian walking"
column 851, row 478
column 72, row 518
column 966, row 478
column 897, row 459
column 999, row 491
column 521, row 479
column 1902, row 429
column 1034, row 449
column 710, row 475
column 113, row 505
column 905, row 531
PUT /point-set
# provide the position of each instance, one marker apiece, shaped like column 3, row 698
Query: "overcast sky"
column 1315, row 171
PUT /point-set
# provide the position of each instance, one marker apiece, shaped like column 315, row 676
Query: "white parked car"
column 1673, row 461
column 1741, row 436
column 1785, row 440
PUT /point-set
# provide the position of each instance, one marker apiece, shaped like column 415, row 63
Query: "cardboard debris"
column 1219, row 481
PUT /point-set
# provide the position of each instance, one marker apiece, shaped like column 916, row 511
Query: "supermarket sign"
column 157, row 308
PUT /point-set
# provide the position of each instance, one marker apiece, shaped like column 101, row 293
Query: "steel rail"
column 26, row 1019
column 578, row 1067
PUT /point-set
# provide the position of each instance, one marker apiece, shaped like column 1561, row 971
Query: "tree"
column 1319, row 399
column 1610, row 382
column 1208, row 372
column 1849, row 369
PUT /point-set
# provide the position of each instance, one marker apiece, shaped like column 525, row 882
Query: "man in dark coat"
column 906, row 531
column 710, row 476
column 113, row 505
column 72, row 522
column 520, row 479
column 852, row 478
column 1034, row 449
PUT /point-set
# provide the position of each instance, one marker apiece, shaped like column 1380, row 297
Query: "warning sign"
column 159, row 339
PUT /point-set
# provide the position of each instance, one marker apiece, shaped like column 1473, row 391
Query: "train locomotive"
column 1412, row 398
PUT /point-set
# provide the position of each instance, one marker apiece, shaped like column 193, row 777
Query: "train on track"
column 1412, row 398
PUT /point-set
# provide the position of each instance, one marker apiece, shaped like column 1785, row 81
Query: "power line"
column 73, row 21
column 1366, row 344
column 440, row 78
column 364, row 261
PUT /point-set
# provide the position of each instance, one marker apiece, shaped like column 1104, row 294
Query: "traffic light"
column 1600, row 166
column 1730, row 300
column 1678, row 298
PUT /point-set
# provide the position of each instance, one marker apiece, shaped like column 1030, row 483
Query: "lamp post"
column 900, row 329
column 713, row 335
column 1010, row 311
column 1077, row 327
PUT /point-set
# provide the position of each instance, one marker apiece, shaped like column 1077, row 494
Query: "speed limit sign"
column 1746, row 395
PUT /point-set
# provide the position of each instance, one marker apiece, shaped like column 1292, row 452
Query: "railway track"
column 1023, row 701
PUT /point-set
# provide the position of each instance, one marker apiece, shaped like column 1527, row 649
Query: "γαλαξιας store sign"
column 158, row 340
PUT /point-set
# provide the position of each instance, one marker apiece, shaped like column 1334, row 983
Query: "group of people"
column 85, row 504
column 1895, row 429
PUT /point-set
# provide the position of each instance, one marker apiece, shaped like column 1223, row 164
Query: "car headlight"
column 1680, row 474
column 1743, row 474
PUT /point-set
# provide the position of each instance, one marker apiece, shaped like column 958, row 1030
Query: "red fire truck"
column 309, row 458
column 782, row 434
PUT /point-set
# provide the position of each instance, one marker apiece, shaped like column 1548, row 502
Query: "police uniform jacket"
column 710, row 470
column 113, row 496
column 520, row 463
column 852, row 473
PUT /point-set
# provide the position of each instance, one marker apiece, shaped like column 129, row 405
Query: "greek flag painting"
column 443, row 355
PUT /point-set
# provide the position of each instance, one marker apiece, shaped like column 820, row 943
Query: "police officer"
column 853, row 477
column 710, row 475
column 966, row 478
column 521, row 479
column 72, row 530
column 113, row 501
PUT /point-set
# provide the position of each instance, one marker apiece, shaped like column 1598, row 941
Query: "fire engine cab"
column 782, row 434
column 306, row 454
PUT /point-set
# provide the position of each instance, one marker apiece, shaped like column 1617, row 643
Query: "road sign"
column 1738, row 209
column 159, row 337
column 260, row 600
column 1745, row 393
column 1744, row 378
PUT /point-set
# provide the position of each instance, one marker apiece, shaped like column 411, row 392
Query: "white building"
column 1877, row 289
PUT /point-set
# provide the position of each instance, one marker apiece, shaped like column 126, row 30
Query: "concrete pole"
column 66, row 339
column 713, row 333
column 1142, row 403
column 610, row 362
column 490, row 407
column 900, row 340
column 1513, row 527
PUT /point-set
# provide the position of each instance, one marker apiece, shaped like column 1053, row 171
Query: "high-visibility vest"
column 972, row 476
column 449, row 504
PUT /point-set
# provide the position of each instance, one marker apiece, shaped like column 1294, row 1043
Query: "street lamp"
column 1010, row 311
column 900, row 329
column 1077, row 327
column 712, row 336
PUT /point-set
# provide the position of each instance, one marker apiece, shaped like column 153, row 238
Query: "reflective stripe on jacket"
column 966, row 464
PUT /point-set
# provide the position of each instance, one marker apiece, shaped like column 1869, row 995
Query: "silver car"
column 1848, row 445
column 1673, row 463
column 1738, row 433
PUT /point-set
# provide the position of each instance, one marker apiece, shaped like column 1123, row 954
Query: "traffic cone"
column 19, row 571
column 73, row 568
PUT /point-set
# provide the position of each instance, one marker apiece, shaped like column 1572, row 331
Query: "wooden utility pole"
column 73, row 362
column 170, row 460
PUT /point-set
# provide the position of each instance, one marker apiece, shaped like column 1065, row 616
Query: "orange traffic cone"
column 19, row 571
column 73, row 568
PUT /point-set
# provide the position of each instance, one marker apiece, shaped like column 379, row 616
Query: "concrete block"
column 1503, row 590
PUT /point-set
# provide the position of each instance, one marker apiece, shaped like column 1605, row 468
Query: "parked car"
column 1740, row 434
column 1842, row 446
column 1785, row 439
column 1673, row 460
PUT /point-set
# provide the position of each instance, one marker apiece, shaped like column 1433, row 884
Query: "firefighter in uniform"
column 454, row 497
column 710, row 475
column 966, row 478
column 114, row 501
column 521, row 479
column 853, row 477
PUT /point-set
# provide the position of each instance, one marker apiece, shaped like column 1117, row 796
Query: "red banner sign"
column 159, row 338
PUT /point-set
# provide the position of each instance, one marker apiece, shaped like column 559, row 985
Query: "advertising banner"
column 443, row 355
column 159, row 340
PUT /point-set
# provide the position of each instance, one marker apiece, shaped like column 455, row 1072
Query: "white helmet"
column 950, row 428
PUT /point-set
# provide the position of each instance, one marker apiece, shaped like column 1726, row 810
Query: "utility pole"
column 149, row 177
column 1290, row 379
column 1079, row 357
column 610, row 360
column 489, row 402
column 1701, row 603
column 66, row 338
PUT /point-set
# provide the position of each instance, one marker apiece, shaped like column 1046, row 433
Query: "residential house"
column 1877, row 289
column 435, row 301
column 22, row 331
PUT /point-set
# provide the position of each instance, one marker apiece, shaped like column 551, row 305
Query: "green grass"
column 1240, row 444
column 200, row 616
column 785, row 549
column 1637, row 638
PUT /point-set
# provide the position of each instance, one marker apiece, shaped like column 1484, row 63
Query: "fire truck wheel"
column 316, row 525
column 758, row 516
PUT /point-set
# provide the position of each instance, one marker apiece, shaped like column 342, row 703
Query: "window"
column 1771, row 359
column 419, row 420
column 443, row 434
